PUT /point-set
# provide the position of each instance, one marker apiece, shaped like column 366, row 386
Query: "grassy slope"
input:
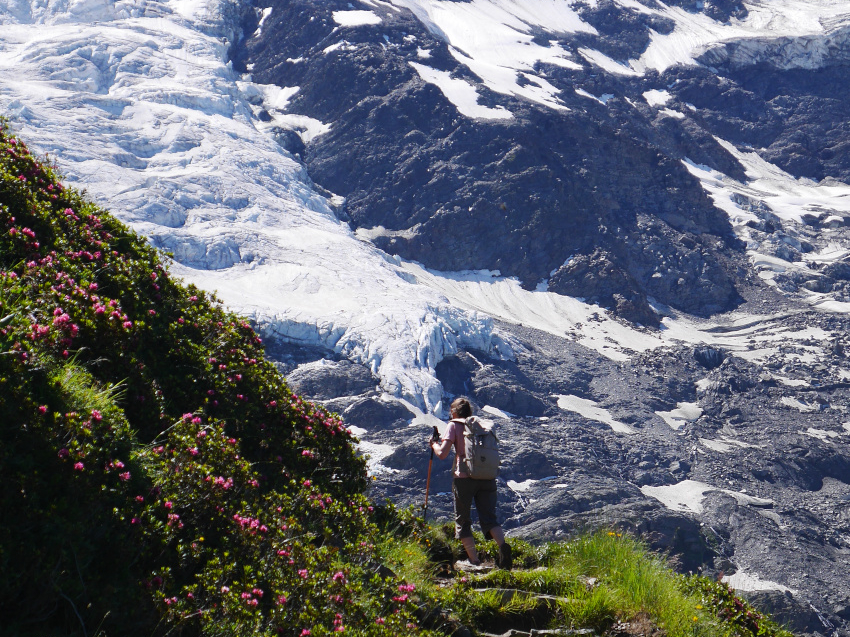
column 602, row 580
column 157, row 476
column 155, row 471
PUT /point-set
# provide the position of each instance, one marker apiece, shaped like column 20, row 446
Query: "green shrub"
column 156, row 473
column 741, row 618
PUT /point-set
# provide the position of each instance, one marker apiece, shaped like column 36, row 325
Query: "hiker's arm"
column 442, row 448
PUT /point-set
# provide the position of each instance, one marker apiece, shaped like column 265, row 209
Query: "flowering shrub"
column 87, row 286
column 156, row 474
column 744, row 620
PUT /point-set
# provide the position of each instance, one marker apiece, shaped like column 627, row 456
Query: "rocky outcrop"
column 326, row 379
column 521, row 196
column 794, row 118
column 751, row 481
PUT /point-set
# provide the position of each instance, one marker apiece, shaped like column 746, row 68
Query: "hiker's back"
column 480, row 459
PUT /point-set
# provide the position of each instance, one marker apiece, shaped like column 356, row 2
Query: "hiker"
column 466, row 489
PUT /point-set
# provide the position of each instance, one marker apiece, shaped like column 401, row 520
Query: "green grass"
column 591, row 581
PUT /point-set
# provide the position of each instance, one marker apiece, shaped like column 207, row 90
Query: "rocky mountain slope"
column 620, row 227
column 556, row 144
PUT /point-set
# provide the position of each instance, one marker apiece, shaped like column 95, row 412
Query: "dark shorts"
column 483, row 492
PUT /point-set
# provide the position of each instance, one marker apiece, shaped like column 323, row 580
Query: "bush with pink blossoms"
column 157, row 476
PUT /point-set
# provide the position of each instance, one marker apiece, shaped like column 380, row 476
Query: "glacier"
column 138, row 103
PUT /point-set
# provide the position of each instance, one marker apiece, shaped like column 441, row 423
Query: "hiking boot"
column 505, row 558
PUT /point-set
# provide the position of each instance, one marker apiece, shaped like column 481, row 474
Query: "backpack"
column 481, row 458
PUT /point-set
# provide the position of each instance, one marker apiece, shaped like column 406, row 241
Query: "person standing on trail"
column 466, row 489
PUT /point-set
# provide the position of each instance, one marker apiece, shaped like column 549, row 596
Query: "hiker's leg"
column 463, row 494
column 469, row 547
column 485, row 504
column 498, row 535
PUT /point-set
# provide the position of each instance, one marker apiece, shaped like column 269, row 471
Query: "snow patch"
column 792, row 382
column 520, row 487
column 603, row 99
column 799, row 405
column 821, row 434
column 591, row 410
column 684, row 497
column 264, row 14
column 726, row 445
column 374, row 454
column 687, row 496
column 655, row 97
column 356, row 18
column 494, row 411
column 605, row 63
column 703, row 384
column 683, row 414
column 671, row 113
column 749, row 582
column 460, row 93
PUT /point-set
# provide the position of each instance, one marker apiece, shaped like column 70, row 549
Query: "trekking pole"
column 434, row 436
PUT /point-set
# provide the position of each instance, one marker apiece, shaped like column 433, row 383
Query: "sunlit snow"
column 460, row 93
column 592, row 411
column 655, row 97
column 683, row 414
column 601, row 60
column 687, row 496
column 749, row 582
column 602, row 99
column 495, row 40
column 799, row 405
column 519, row 487
column 822, row 434
column 355, row 18
column 726, row 445
column 373, row 452
column 498, row 413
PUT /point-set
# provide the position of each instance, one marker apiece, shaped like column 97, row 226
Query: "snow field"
column 687, row 496
column 145, row 113
column 143, row 110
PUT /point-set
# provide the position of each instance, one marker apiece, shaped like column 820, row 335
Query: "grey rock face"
column 796, row 119
column 756, row 486
column 331, row 379
column 499, row 385
column 375, row 414
column 736, row 458
column 521, row 197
